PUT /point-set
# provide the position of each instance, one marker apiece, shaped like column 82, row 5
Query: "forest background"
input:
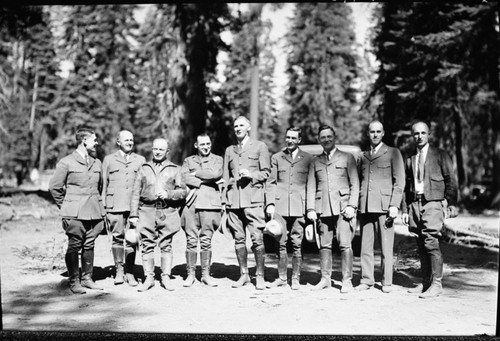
column 178, row 70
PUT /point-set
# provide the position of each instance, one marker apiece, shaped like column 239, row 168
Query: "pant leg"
column 167, row 225
column 367, row 248
column 209, row 221
column 147, row 231
column 190, row 223
column 386, row 236
column 75, row 231
column 416, row 226
column 117, row 229
column 326, row 232
column 235, row 222
column 345, row 234
column 432, row 224
column 255, row 225
column 297, row 234
column 92, row 230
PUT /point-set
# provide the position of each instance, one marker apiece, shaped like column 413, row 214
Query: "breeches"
column 336, row 226
column 81, row 233
column 199, row 225
column 296, row 227
column 251, row 219
column 426, row 220
column 118, row 224
column 157, row 226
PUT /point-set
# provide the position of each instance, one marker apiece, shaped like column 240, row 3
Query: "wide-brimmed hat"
column 131, row 236
column 223, row 226
column 311, row 233
column 276, row 228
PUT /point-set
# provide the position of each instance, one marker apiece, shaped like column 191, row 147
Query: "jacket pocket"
column 110, row 194
column 257, row 194
column 385, row 169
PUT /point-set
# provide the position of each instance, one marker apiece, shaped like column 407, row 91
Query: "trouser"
column 118, row 224
column 296, row 227
column 372, row 228
column 249, row 219
column 157, row 226
column 199, row 225
column 426, row 219
column 81, row 233
column 343, row 230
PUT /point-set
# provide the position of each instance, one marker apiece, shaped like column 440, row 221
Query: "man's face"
column 327, row 140
column 90, row 143
column 203, row 145
column 241, row 129
column 160, row 150
column 420, row 134
column 126, row 142
column 292, row 140
column 375, row 133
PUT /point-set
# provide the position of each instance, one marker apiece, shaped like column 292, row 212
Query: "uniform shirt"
column 419, row 185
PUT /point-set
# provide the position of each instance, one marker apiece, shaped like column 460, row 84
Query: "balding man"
column 158, row 193
column 119, row 170
column 430, row 188
column 381, row 173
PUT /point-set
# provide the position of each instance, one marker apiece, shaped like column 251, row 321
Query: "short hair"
column 122, row 131
column 415, row 122
column 375, row 121
column 203, row 135
column 325, row 127
column 241, row 117
column 83, row 133
column 161, row 139
column 293, row 128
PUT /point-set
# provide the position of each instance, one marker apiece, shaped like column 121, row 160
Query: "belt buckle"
column 159, row 204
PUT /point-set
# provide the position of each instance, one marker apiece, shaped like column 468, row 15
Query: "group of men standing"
column 330, row 190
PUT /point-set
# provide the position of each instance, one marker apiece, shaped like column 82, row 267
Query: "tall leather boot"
column 242, row 256
column 148, row 264
column 129, row 268
column 87, row 269
column 75, row 286
column 191, row 258
column 118, row 258
column 282, row 268
column 166, row 268
column 260, row 257
column 436, row 287
column 296, row 266
column 325, row 262
column 347, row 264
column 206, row 259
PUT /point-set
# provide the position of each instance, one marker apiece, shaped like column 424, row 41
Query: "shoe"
column 243, row 280
column 386, row 288
column 206, row 259
column 346, row 288
column 363, row 287
column 130, row 279
column 324, row 283
column 149, row 282
column 277, row 283
column 88, row 283
column 433, row 291
column 166, row 283
column 295, row 284
column 260, row 284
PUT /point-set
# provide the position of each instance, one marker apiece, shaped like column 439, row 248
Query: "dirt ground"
column 35, row 297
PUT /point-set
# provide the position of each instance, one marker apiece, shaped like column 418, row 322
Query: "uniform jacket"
column 147, row 183
column 439, row 181
column 241, row 193
column 286, row 186
column 332, row 185
column 382, row 179
column 208, row 171
column 118, row 180
column 75, row 188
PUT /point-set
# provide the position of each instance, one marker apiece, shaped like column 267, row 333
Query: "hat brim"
column 223, row 226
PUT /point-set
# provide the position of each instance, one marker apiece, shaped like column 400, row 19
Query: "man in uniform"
column 202, row 214
column 156, row 198
column 286, row 195
column 430, row 191
column 119, row 170
column 332, row 197
column 246, row 169
column 382, row 174
column 75, row 187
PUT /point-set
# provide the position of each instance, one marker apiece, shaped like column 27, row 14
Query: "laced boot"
column 206, row 258
column 166, row 268
column 325, row 262
column 129, row 268
column 118, row 258
column 242, row 256
column 74, row 273
column 296, row 265
column 148, row 265
column 282, row 267
column 191, row 258
column 260, row 255
column 88, row 267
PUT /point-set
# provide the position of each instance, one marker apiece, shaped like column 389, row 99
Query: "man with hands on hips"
column 332, row 197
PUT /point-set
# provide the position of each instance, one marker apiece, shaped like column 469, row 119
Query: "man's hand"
column 163, row 194
column 133, row 221
column 405, row 218
column 270, row 211
column 349, row 212
column 393, row 212
column 311, row 215
column 452, row 211
column 245, row 173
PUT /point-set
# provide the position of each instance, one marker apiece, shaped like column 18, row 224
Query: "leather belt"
column 419, row 197
column 158, row 204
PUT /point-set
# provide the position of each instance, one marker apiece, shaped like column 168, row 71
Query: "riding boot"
column 436, row 287
column 129, row 268
column 282, row 269
column 148, row 264
column 191, row 258
column 74, row 273
column 206, row 258
column 260, row 257
column 118, row 258
column 296, row 265
column 347, row 264
column 242, row 256
column 166, row 268
column 87, row 269
column 325, row 262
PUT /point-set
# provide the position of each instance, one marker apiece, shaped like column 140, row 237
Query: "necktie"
column 87, row 160
column 372, row 152
column 420, row 166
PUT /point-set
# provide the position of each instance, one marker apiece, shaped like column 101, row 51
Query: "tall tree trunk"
column 458, row 118
column 255, row 14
